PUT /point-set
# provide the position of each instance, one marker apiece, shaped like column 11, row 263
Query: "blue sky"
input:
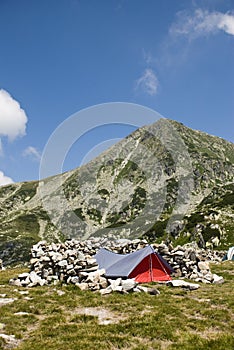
column 60, row 56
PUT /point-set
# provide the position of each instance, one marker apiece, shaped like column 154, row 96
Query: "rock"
column 23, row 292
column 103, row 282
column 23, row 276
column 82, row 286
column 15, row 282
column 177, row 272
column 5, row 301
column 95, row 276
column 209, row 277
column 56, row 257
column 128, row 284
column 118, row 289
column 62, row 263
column 203, row 266
column 153, row 291
column 60, row 292
column 35, row 279
column 179, row 253
column 183, row 284
column 105, row 291
column 91, row 261
column 74, row 280
column 217, row 279
column 193, row 276
column 192, row 256
column 80, row 256
column 115, row 282
column 142, row 289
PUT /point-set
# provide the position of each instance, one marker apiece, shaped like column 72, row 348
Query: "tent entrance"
column 150, row 269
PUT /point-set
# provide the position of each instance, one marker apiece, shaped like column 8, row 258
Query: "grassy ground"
column 175, row 319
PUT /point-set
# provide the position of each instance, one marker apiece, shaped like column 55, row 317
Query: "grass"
column 175, row 319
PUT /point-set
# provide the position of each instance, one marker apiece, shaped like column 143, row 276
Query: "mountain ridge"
column 164, row 163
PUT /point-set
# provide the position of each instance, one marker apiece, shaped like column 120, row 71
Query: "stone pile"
column 190, row 262
column 125, row 246
column 72, row 262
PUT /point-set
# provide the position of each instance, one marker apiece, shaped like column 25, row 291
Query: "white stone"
column 62, row 263
column 103, row 282
column 4, row 301
column 35, row 279
column 82, row 286
column 74, row 280
column 128, row 284
column 183, row 284
column 217, row 279
column 107, row 290
column 203, row 265
column 23, row 275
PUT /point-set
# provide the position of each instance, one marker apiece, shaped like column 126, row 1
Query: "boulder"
column 105, row 291
column 82, row 286
column 128, row 284
column 183, row 284
column 217, row 279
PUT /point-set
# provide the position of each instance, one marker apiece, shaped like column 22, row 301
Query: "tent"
column 144, row 265
column 230, row 254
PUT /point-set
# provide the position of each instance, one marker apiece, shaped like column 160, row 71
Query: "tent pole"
column 151, row 269
column 159, row 262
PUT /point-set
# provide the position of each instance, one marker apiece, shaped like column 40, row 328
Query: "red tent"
column 144, row 265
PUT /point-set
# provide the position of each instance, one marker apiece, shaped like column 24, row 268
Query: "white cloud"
column 32, row 152
column 201, row 23
column 148, row 82
column 4, row 180
column 13, row 119
column 147, row 56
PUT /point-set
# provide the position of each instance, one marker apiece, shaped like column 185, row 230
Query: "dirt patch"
column 104, row 316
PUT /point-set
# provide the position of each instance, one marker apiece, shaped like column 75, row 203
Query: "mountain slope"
column 164, row 181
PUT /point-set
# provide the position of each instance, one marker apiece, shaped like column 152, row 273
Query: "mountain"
column 163, row 182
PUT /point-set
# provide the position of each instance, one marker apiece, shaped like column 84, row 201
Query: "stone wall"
column 73, row 262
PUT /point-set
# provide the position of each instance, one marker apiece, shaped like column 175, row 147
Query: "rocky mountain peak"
column 164, row 182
